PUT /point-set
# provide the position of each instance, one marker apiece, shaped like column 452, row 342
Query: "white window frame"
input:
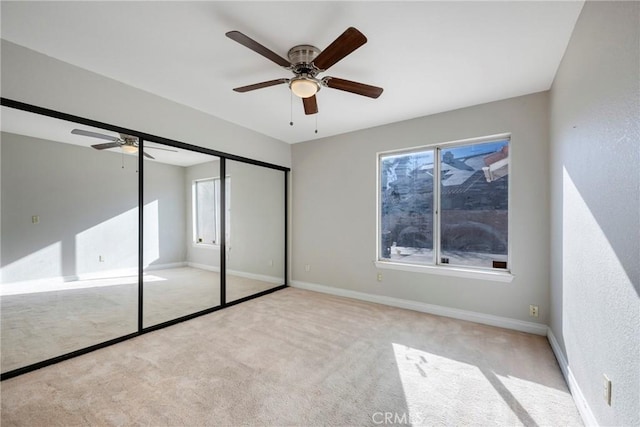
column 437, row 267
column 216, row 196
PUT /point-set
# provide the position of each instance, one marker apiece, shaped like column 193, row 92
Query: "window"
column 206, row 208
column 446, row 204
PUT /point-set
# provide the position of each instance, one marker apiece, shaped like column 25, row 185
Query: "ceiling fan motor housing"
column 128, row 139
column 303, row 54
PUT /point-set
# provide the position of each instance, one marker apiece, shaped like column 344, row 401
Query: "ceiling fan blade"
column 159, row 148
column 106, row 145
column 148, row 156
column 94, row 135
column 346, row 43
column 353, row 87
column 258, row 48
column 261, row 85
column 310, row 105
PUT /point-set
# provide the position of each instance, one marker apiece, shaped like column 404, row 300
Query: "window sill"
column 495, row 276
column 205, row 246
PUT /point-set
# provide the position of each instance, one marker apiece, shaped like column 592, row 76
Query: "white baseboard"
column 165, row 266
column 124, row 272
column 260, row 277
column 204, row 266
column 581, row 403
column 471, row 316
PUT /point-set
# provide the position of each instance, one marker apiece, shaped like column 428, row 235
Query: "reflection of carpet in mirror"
column 42, row 324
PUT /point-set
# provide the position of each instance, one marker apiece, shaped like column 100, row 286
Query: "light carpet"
column 301, row 358
column 42, row 324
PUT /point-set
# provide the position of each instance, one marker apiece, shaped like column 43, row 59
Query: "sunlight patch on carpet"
column 448, row 390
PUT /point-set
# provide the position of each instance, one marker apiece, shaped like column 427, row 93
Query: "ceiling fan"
column 128, row 143
column 306, row 62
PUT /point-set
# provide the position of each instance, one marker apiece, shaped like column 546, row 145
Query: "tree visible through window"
column 206, row 210
column 463, row 220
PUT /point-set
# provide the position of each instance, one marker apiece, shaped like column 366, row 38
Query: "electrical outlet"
column 307, row 268
column 379, row 277
column 607, row 390
column 100, row 258
column 533, row 310
column 35, row 219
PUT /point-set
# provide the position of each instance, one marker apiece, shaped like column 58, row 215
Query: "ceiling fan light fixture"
column 304, row 87
column 306, row 62
column 129, row 149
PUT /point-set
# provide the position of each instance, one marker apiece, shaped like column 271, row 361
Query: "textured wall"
column 595, row 250
column 334, row 209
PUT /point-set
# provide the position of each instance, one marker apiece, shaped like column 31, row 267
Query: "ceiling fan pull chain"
column 316, row 123
column 291, row 110
column 122, row 158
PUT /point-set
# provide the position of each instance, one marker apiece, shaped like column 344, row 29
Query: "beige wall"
column 334, row 209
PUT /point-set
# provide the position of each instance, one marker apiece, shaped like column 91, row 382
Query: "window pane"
column 205, row 214
column 406, row 210
column 474, row 204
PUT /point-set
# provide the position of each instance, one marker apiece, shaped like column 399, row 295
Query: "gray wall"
column 87, row 204
column 595, row 207
column 34, row 78
column 334, row 209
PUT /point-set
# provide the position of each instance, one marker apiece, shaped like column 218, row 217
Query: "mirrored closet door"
column 69, row 237
column 256, row 222
column 182, row 233
column 107, row 233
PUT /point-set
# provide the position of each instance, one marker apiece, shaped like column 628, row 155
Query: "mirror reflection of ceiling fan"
column 306, row 62
column 128, row 144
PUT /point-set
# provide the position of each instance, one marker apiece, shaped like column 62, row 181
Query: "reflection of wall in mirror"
column 257, row 227
column 87, row 208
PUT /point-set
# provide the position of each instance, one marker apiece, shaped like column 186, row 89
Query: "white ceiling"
column 428, row 56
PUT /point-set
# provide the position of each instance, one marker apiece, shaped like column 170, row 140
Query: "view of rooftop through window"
column 466, row 220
